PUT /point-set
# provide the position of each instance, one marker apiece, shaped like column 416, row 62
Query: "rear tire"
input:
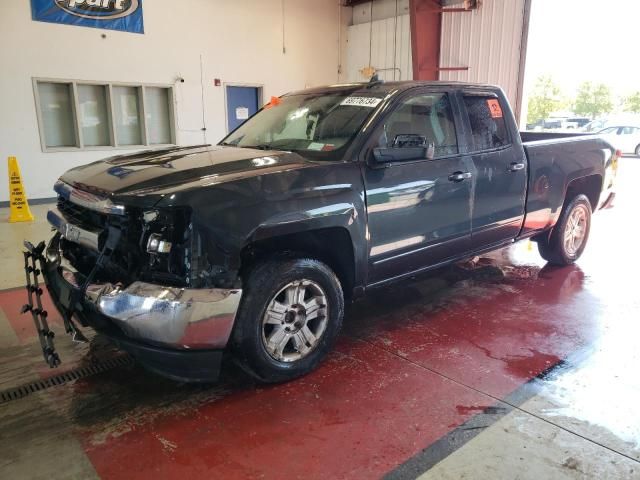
column 638, row 151
column 290, row 315
column 569, row 236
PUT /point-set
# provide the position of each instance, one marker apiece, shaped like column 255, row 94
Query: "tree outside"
column 545, row 98
column 632, row 103
column 593, row 100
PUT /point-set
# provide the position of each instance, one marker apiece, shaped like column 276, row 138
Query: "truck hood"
column 152, row 171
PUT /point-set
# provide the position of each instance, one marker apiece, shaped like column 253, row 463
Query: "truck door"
column 418, row 204
column 500, row 171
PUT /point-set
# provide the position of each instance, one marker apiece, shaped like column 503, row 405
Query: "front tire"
column 289, row 318
column 569, row 236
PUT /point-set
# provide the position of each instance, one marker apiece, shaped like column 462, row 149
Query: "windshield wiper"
column 262, row 146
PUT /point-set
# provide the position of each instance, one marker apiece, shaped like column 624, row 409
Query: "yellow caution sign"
column 19, row 207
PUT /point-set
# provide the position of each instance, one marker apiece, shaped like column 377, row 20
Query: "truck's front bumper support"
column 177, row 332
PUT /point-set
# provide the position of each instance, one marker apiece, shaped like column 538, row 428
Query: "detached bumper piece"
column 33, row 259
column 176, row 332
column 34, row 266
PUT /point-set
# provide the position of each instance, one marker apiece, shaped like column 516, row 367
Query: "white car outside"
column 625, row 139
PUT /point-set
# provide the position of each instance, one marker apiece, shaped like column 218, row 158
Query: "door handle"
column 516, row 167
column 459, row 176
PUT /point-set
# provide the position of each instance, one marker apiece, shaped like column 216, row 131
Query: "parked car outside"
column 576, row 122
column 558, row 124
column 626, row 139
column 628, row 119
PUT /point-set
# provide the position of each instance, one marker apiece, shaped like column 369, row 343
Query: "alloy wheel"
column 295, row 320
column 575, row 230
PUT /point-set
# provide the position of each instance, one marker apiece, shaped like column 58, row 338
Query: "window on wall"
column 157, row 115
column 126, row 101
column 82, row 115
column 56, row 112
column 94, row 116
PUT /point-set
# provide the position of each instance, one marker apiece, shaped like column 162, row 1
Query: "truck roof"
column 382, row 88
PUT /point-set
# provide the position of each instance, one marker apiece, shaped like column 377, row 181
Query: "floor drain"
column 22, row 391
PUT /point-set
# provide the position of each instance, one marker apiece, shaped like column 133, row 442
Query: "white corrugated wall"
column 381, row 33
column 488, row 41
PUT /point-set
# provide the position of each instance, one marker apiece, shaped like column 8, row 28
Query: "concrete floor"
column 499, row 369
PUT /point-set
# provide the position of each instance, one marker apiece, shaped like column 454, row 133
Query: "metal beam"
column 524, row 43
column 426, row 25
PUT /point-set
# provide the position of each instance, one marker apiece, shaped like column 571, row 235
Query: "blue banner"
column 124, row 15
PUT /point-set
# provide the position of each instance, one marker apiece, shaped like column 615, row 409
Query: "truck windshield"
column 320, row 126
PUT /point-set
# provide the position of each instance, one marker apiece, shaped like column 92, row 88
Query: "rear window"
column 488, row 128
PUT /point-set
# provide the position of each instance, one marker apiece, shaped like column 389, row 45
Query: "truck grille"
column 82, row 216
column 123, row 261
column 85, row 229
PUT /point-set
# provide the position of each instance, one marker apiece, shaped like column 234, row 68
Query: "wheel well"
column 332, row 246
column 591, row 186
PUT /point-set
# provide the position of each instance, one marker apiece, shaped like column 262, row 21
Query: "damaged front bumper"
column 177, row 332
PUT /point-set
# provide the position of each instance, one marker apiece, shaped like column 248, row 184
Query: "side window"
column 486, row 117
column 629, row 130
column 427, row 116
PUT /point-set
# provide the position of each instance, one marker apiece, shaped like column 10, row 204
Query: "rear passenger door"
column 500, row 171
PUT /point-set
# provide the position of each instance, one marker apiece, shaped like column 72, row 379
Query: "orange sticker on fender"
column 494, row 108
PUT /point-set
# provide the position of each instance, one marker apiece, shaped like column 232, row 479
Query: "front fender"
column 231, row 215
column 345, row 216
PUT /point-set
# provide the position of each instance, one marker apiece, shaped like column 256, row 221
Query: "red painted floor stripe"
column 493, row 337
column 360, row 414
column 375, row 402
column 11, row 301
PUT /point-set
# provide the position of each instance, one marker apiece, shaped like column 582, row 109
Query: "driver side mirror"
column 405, row 147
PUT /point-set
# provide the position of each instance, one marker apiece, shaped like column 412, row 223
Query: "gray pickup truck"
column 252, row 246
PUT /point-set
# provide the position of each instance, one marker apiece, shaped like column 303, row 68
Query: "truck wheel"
column 569, row 237
column 289, row 317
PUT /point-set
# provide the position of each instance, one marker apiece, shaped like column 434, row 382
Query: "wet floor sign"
column 19, row 207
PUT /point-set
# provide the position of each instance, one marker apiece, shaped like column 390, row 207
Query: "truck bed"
column 530, row 137
column 555, row 160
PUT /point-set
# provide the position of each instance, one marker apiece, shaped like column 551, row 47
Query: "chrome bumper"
column 173, row 317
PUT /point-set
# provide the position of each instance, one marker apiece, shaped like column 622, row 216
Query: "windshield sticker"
column 494, row 108
column 368, row 102
column 316, row 146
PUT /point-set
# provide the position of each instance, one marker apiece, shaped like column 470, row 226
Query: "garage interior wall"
column 379, row 38
column 488, row 41
column 238, row 42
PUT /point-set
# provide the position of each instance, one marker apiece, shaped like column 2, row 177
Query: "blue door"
column 242, row 102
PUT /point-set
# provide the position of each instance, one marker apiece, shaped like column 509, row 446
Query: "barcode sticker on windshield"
column 368, row 102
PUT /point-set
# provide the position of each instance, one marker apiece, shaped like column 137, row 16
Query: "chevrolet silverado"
column 253, row 246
